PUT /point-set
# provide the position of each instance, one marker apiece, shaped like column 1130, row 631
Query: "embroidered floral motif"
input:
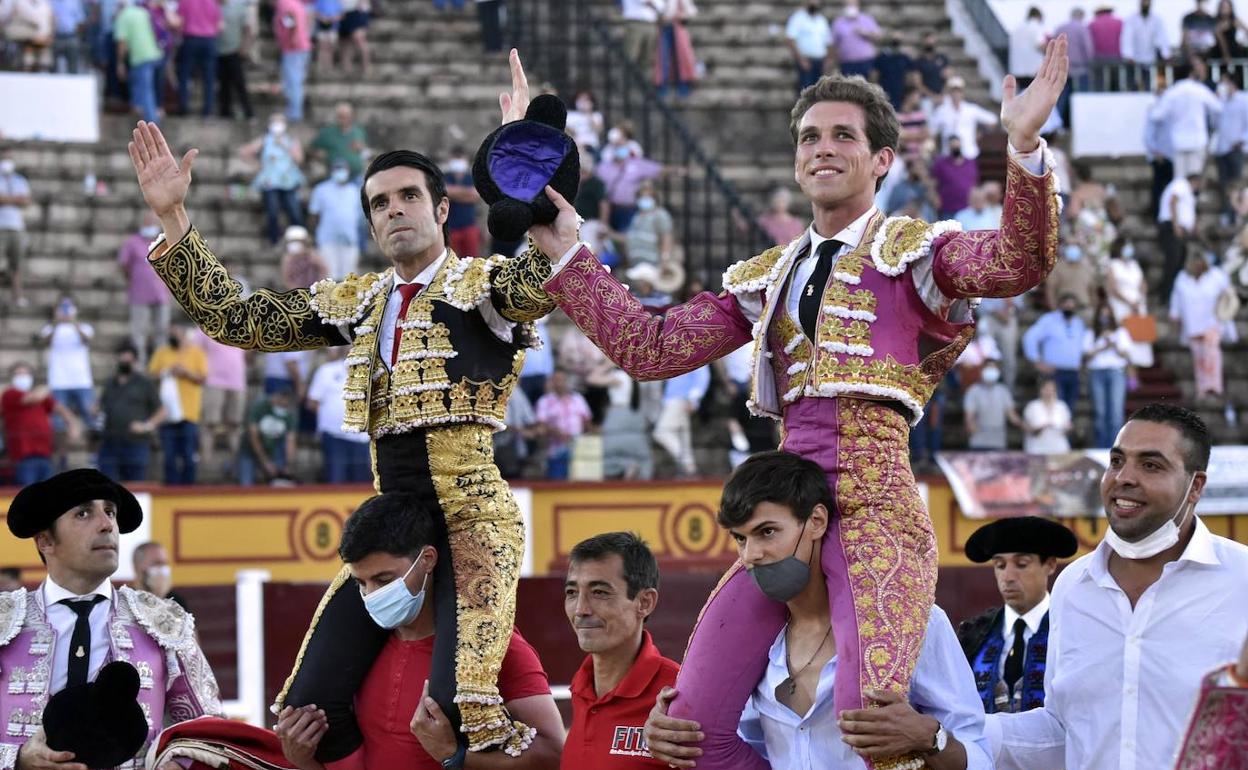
column 758, row 273
column 345, row 301
column 902, row 240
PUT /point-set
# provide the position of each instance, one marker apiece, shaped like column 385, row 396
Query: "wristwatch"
column 940, row 741
column 456, row 760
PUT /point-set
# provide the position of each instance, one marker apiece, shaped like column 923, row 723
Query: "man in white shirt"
column 1027, row 47
column 1176, row 223
column 810, row 39
column 1143, row 40
column 1185, row 111
column 1137, row 623
column 344, row 455
column 790, row 720
column 960, row 118
column 1228, row 149
column 639, row 30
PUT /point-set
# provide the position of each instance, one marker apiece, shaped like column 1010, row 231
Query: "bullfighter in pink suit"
column 854, row 324
column 75, row 518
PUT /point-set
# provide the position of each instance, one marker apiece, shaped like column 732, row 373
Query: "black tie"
column 812, row 292
column 1014, row 661
column 80, row 641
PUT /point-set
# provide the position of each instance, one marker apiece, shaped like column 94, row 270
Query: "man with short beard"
column 437, row 344
column 1137, row 623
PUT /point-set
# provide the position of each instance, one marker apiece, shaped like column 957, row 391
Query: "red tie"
column 408, row 290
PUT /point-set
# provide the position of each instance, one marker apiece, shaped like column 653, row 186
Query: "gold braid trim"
column 267, row 320
column 758, row 273
column 339, row 580
column 519, row 290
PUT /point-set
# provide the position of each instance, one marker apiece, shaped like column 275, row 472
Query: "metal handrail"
column 1123, row 76
column 572, row 46
column 989, row 26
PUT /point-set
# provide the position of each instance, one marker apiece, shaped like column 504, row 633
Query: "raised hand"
column 1023, row 115
column 163, row 181
column 516, row 103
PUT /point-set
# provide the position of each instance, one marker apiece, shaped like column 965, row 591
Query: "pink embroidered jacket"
column 156, row 636
column 876, row 336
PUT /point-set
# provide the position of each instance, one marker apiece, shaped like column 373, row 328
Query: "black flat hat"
column 39, row 504
column 1021, row 534
column 101, row 721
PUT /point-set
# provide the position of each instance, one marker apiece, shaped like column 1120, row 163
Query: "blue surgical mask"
column 393, row 605
column 1073, row 253
column 340, row 175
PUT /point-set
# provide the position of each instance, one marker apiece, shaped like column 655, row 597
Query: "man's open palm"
column 162, row 179
column 1024, row 114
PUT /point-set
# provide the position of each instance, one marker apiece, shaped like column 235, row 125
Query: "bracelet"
column 1233, row 678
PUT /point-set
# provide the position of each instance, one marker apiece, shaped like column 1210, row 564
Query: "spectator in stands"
column 625, row 431
column 1185, row 111
column 639, row 18
column 1054, row 346
column 1106, row 31
column 1081, row 52
column 28, row 436
column 622, row 170
column 388, row 545
column 1193, row 305
column 344, row 456
column 933, row 65
column 915, row 195
column 998, row 319
column 955, row 176
column 778, row 222
column 147, row 295
column 1027, row 47
column 651, row 237
column 855, row 35
column 585, row 123
column 577, row 356
column 642, row 279
column 181, row 368
column 268, row 447
column 31, row 24
column 1074, row 275
column 809, row 36
column 1228, row 153
column 675, row 65
column 138, row 59
column 167, row 25
column 489, row 15
column 594, row 207
column 153, row 573
column 1047, row 422
column 1176, row 224
column 1198, row 31
column 912, row 117
column 239, row 27
column 14, row 196
column 280, row 155
column 462, row 218
column 988, row 407
column 197, row 56
column 287, row 370
column 960, row 118
column 1106, row 354
column 1228, row 29
column 70, row 17
column 10, row 579
column 131, row 410
column 674, row 429
column 611, row 589
column 511, row 445
column 1160, row 154
column 292, row 29
column 224, row 399
column 334, row 212
column 892, row 66
column 1127, row 293
column 302, row 266
column 979, row 351
column 565, row 414
column 342, row 141
column 101, row 17
column 539, row 364
column 328, row 15
column 353, row 35
column 977, row 215
column 69, row 359
column 1144, row 41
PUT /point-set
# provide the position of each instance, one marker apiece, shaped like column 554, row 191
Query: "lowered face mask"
column 782, row 580
column 1156, row 541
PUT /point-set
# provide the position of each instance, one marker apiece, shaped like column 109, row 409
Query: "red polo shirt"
column 607, row 732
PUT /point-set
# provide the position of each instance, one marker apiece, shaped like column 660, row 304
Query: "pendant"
column 80, row 653
column 810, row 290
column 789, row 686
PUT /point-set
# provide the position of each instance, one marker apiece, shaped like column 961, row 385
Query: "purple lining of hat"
column 524, row 158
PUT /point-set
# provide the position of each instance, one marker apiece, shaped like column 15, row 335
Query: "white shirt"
column 962, row 121
column 1119, row 683
column 326, row 391
column 1052, row 438
column 638, row 10
column 1193, row 301
column 275, row 364
column 1143, row 38
column 943, row 687
column 1184, row 111
column 1178, row 191
column 811, row 33
column 1031, row 624
column 69, row 358
column 1232, row 123
column 1116, row 356
column 62, row 620
column 1027, row 48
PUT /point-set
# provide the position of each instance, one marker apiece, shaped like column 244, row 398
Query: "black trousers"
column 1174, row 256
column 489, row 13
column 232, row 78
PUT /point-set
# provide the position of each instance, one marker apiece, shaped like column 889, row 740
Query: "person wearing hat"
column 62, row 633
column 438, row 342
column 643, row 280
column 1006, row 645
column 302, row 264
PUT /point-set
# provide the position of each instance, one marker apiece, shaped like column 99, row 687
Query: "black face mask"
column 174, row 342
column 929, row 49
column 1068, row 313
column 813, row 8
column 956, row 152
column 125, row 368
